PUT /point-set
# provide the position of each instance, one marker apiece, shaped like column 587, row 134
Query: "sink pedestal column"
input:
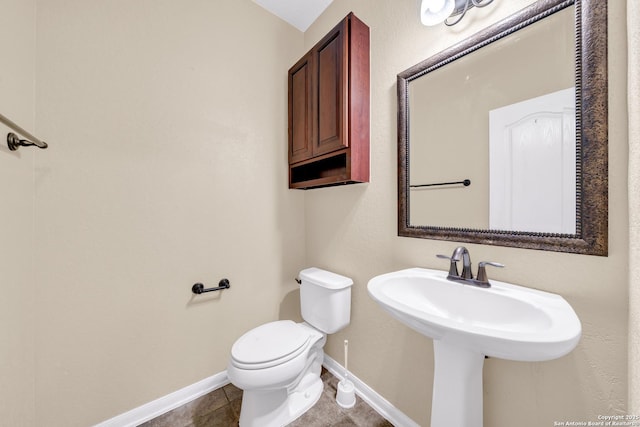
column 457, row 386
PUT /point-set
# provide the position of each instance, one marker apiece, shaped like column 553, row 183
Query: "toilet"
column 278, row 364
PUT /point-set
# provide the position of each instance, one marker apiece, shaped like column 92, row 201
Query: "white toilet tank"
column 325, row 299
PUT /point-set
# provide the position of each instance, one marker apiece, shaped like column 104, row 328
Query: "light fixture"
column 432, row 12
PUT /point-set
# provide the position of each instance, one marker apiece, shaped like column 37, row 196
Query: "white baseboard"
column 373, row 399
column 185, row 395
column 166, row 403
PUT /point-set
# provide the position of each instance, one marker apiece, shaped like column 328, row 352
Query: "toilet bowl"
column 278, row 364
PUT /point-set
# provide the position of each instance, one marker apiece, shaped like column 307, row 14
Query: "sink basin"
column 468, row 323
column 505, row 320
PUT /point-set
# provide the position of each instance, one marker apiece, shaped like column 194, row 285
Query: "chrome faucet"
column 462, row 254
column 459, row 252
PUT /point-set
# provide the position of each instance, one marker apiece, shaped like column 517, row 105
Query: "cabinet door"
column 301, row 110
column 331, row 98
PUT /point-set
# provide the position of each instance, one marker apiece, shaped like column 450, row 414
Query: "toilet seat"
column 270, row 344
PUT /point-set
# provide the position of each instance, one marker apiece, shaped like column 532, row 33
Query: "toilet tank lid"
column 325, row 278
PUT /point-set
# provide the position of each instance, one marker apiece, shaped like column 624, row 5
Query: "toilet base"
column 277, row 408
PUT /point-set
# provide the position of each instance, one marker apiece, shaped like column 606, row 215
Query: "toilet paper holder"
column 199, row 288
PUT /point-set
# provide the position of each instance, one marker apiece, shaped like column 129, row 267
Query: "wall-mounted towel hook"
column 199, row 288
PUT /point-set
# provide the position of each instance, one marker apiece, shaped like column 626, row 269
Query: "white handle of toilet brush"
column 346, row 358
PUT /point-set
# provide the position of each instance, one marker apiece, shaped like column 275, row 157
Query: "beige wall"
column 17, row 293
column 167, row 166
column 353, row 230
column 633, row 46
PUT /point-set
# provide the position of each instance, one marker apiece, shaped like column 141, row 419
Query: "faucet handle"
column 453, row 267
column 482, row 271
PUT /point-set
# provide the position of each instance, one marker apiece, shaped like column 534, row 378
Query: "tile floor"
column 221, row 408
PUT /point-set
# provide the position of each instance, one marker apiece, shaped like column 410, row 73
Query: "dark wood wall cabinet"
column 329, row 110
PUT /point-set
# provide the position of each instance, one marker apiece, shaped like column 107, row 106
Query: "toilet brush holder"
column 346, row 396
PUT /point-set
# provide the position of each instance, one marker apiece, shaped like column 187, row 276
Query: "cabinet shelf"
column 329, row 170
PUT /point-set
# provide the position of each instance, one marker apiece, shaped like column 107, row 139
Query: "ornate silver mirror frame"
column 591, row 133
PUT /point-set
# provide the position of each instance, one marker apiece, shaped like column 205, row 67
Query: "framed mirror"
column 502, row 138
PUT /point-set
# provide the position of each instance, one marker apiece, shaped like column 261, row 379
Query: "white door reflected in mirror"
column 533, row 165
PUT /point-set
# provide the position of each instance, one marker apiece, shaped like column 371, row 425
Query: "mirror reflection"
column 503, row 118
column 514, row 120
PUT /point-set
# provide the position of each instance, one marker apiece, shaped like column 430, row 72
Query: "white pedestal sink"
column 466, row 323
